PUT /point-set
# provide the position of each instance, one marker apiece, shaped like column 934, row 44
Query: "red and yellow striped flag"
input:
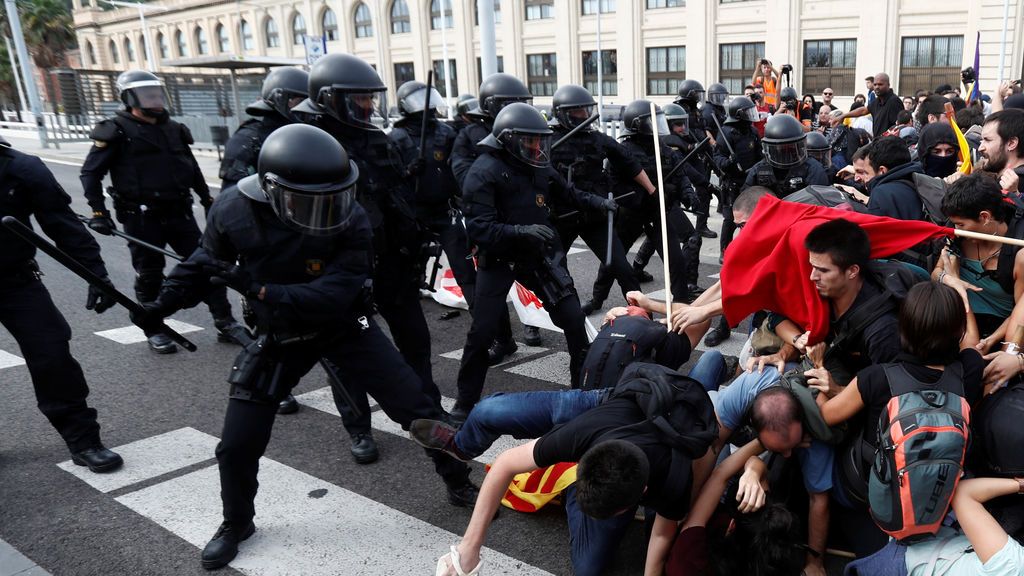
column 530, row 491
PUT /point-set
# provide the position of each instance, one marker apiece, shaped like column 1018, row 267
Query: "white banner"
column 316, row 47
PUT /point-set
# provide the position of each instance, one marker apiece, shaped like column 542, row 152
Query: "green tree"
column 49, row 31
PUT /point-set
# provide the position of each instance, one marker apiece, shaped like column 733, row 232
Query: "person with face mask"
column 937, row 149
column 152, row 171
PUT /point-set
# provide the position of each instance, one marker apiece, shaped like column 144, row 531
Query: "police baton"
column 134, row 240
column 732, row 153
column 593, row 118
column 687, row 157
column 623, row 197
column 339, row 386
column 26, row 234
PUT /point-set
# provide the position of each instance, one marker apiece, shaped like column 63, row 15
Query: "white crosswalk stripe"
column 8, row 360
column 134, row 334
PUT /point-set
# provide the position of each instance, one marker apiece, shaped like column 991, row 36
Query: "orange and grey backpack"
column 923, row 435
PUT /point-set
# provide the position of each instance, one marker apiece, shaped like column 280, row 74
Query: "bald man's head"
column 881, row 84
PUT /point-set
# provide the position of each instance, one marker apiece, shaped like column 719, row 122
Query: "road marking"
column 8, row 360
column 149, row 458
column 321, row 399
column 716, row 275
column 308, row 526
column 524, row 351
column 551, row 368
column 134, row 334
column 575, row 250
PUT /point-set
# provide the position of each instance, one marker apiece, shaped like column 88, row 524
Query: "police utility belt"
column 168, row 202
column 22, row 273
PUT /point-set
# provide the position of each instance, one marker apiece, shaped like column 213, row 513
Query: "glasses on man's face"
column 826, row 93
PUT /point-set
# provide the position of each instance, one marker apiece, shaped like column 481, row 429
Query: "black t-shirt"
column 874, row 387
column 878, row 342
column 669, row 497
column 884, row 111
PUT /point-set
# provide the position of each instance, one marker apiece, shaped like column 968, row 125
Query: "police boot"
column 532, row 336
column 719, row 333
column 223, row 547
column 499, row 350
column 161, row 344
column 692, row 292
column 642, row 276
column 229, row 331
column 288, row 406
column 592, row 305
column 98, row 458
column 463, row 496
column 364, row 448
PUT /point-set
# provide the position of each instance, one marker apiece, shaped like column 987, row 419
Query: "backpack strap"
column 901, row 382
column 853, row 325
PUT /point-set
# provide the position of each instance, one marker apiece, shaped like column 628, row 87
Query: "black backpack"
column 623, row 341
column 827, row 196
column 997, row 433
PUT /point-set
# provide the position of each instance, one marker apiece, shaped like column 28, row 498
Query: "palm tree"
column 49, row 31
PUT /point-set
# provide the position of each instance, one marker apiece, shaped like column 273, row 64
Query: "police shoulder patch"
column 99, row 143
column 540, row 200
column 314, row 267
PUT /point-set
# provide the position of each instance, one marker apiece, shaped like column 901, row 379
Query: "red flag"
column 766, row 266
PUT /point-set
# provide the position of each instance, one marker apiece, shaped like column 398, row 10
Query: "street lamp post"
column 142, row 20
column 26, row 70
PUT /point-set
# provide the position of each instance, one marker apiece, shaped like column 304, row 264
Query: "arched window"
column 298, row 28
column 245, row 30
column 114, row 56
column 270, row 31
column 129, row 50
column 161, row 42
column 202, row 45
column 179, row 40
column 90, row 54
column 329, row 25
column 435, row 14
column 364, row 22
column 223, row 41
column 142, row 50
column 400, row 17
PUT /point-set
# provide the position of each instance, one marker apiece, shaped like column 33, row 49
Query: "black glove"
column 233, row 276
column 206, row 202
column 98, row 300
column 609, row 205
column 416, row 167
column 535, row 233
column 102, row 223
column 151, row 319
column 689, row 197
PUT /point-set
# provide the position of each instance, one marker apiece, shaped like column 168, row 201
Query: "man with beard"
column 1001, row 139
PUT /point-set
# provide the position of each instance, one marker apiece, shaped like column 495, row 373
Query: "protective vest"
column 794, row 180
column 436, row 182
column 745, row 144
column 585, row 155
column 242, row 152
column 155, row 164
column 645, row 156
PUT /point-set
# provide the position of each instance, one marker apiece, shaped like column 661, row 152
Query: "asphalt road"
column 317, row 506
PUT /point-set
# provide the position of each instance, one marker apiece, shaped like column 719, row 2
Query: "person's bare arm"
column 843, row 406
column 862, row 111
column 984, row 533
column 711, row 493
column 642, row 179
column 663, row 533
column 817, row 534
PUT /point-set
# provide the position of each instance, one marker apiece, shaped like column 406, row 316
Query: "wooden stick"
column 664, row 215
column 988, row 237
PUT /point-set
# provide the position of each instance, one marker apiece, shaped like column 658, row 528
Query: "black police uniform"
column 243, row 148
column 152, row 169
column 641, row 214
column 785, row 181
column 314, row 295
column 437, row 193
column 500, row 193
column 700, row 162
column 747, row 146
column 709, row 113
column 27, row 188
column 581, row 160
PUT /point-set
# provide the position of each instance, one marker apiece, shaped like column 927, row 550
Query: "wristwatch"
column 1020, row 485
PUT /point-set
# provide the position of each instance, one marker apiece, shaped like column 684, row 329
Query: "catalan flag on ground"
column 530, row 491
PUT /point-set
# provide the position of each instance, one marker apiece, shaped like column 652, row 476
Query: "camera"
column 787, row 69
column 967, row 75
column 755, row 97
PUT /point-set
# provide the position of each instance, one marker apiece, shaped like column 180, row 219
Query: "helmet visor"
column 678, row 125
column 785, row 155
column 660, row 122
column 152, row 97
column 418, row 101
column 698, row 95
column 573, row 117
column 315, row 210
column 749, row 114
column 497, row 103
column 533, row 149
column 718, row 98
column 824, row 156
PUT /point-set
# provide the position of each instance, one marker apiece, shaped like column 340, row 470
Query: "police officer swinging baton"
column 26, row 234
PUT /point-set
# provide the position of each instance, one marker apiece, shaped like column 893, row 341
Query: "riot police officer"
column 640, row 213
column 819, row 149
column 506, row 197
column 465, row 103
column 580, row 160
column 691, row 96
column 436, row 192
column 343, row 92
column 303, row 250
column 27, row 188
column 152, row 169
column 283, row 89
column 785, row 168
column 496, row 92
column 714, row 111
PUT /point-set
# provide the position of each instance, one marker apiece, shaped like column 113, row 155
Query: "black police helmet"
column 691, row 92
column 788, row 94
column 522, row 131
column 818, row 147
column 141, row 90
column 784, row 142
column 741, row 109
column 572, row 105
column 464, row 107
column 717, row 94
column 676, row 116
column 345, row 87
column 413, row 99
column 307, row 178
column 280, row 86
column 500, row 90
column 636, row 119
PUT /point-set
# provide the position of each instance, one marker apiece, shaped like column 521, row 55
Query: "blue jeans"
column 709, row 370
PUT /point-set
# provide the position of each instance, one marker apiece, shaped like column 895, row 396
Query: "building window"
column 439, row 77
column 435, row 14
column 223, row 42
column 298, row 29
column 592, row 6
column 666, row 68
column 480, row 66
column 400, row 17
column 541, row 74
column 540, row 9
column 245, row 31
column 114, row 56
column 165, row 50
column 830, row 64
column 202, row 45
column 497, row 13
column 928, row 62
column 363, row 21
column 736, row 64
column 179, row 39
column 651, row 4
column 609, row 72
column 404, row 72
column 732, row 2
column 129, row 50
column 273, row 36
column 90, row 54
column 329, row 25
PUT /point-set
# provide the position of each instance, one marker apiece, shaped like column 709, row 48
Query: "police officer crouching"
column 505, row 198
column 295, row 242
column 27, row 188
column 786, row 168
column 152, row 169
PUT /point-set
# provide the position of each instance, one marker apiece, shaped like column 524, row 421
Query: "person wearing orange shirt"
column 769, row 79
